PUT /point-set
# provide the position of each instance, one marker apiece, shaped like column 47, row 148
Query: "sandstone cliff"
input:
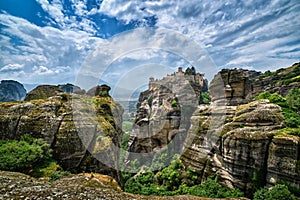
column 81, row 130
column 234, row 137
column 244, row 148
column 239, row 86
column 163, row 113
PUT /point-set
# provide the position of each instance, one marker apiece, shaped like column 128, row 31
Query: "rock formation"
column 243, row 147
column 82, row 186
column 280, row 81
column 234, row 137
column 70, row 88
column 238, row 86
column 163, row 113
column 81, row 130
column 11, row 91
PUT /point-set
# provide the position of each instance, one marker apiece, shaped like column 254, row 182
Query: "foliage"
column 278, row 192
column 289, row 105
column 273, row 98
column 204, row 98
column 175, row 179
column 266, row 74
column 31, row 156
column 46, row 169
column 293, row 99
column 127, row 126
column 58, row 174
column 125, row 139
column 212, row 189
column 174, row 103
column 289, row 131
column 23, row 155
column 140, row 184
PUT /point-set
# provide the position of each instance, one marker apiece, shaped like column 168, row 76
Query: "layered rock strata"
column 84, row 132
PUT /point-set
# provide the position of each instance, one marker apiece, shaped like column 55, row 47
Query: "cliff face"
column 235, row 84
column 163, row 112
column 63, row 120
column 244, row 150
column 234, row 137
column 238, row 86
column 11, row 91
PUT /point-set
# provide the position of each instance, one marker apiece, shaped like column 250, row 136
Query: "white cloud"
column 235, row 33
column 12, row 68
column 226, row 27
column 43, row 46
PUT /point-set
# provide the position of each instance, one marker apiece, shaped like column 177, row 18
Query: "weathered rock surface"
column 233, row 137
column 163, row 113
column 82, row 186
column 280, row 81
column 233, row 85
column 244, row 151
column 11, row 91
column 70, row 88
column 238, row 86
column 82, row 131
column 43, row 92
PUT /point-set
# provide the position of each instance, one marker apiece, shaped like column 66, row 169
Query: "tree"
column 278, row 192
column 293, row 99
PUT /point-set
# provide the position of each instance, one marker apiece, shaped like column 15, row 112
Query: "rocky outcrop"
column 284, row 160
column 43, row 92
column 83, row 131
column 70, row 88
column 82, row 186
column 233, row 85
column 163, row 113
column 100, row 90
column 11, row 91
column 239, row 86
column 244, row 151
column 279, row 81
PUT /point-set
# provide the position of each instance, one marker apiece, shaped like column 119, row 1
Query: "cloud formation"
column 262, row 35
column 239, row 33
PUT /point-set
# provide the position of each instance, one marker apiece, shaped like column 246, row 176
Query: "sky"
column 56, row 42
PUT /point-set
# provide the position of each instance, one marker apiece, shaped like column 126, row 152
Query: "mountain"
column 11, row 91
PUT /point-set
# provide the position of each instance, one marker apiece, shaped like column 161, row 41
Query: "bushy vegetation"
column 204, row 98
column 30, row 156
column 278, row 192
column 176, row 179
column 290, row 109
column 23, row 155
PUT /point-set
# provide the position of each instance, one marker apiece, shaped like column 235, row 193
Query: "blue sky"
column 49, row 41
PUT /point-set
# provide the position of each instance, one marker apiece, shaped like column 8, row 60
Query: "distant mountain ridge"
column 11, row 90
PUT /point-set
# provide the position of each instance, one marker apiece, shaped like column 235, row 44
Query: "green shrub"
column 289, row 105
column 212, row 189
column 204, row 98
column 292, row 119
column 23, row 155
column 263, row 95
column 140, row 184
column 174, row 103
column 58, row 174
column 293, row 99
column 173, row 180
column 278, row 192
